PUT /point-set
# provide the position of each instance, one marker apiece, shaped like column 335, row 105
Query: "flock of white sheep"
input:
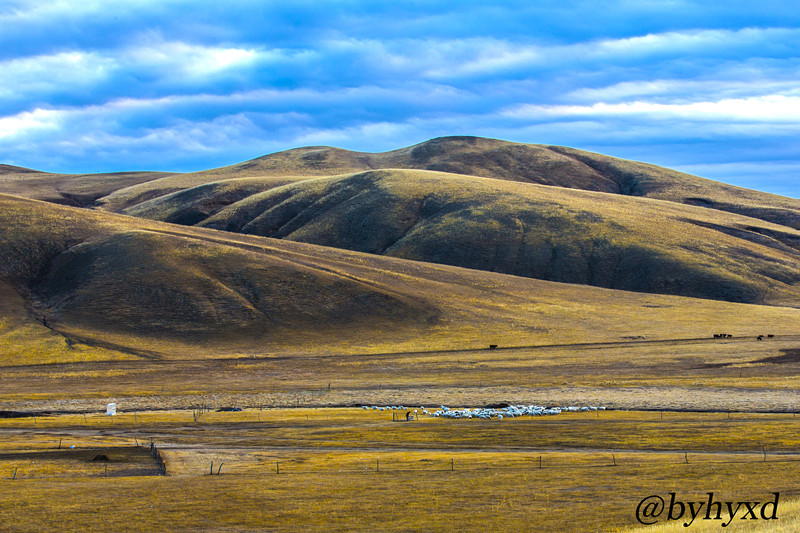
column 511, row 411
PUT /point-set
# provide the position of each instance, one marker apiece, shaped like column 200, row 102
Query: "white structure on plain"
column 111, row 409
column 511, row 411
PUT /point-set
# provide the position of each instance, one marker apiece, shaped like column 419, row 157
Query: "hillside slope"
column 534, row 231
column 69, row 189
column 87, row 284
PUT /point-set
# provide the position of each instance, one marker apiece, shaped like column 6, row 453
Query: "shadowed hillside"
column 100, row 276
column 528, row 230
column 190, row 206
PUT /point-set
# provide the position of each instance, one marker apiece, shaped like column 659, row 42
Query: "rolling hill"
column 529, row 230
column 542, row 212
column 488, row 158
column 84, row 284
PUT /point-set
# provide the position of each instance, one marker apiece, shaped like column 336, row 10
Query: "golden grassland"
column 350, row 469
column 698, row 374
column 165, row 319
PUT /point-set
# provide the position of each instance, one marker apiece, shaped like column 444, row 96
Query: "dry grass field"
column 700, row 374
column 356, row 470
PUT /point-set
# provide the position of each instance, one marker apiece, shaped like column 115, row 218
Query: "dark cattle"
column 492, row 346
column 770, row 336
column 760, row 338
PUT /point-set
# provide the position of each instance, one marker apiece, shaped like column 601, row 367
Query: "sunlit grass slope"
column 153, row 289
column 535, row 231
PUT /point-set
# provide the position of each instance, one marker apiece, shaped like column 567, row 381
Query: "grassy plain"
column 350, row 469
column 741, row 374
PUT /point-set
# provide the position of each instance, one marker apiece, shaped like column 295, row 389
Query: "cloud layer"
column 710, row 88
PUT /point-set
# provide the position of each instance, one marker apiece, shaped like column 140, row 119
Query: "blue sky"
column 711, row 88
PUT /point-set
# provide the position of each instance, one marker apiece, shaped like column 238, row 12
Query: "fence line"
column 536, row 462
column 155, row 454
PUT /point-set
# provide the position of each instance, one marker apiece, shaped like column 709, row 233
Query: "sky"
column 707, row 87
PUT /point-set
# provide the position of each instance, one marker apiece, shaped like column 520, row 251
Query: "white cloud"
column 376, row 132
column 769, row 109
column 27, row 11
column 53, row 72
column 28, row 121
column 682, row 90
column 467, row 57
column 176, row 60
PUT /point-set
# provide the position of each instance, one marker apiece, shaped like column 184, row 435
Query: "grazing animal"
column 760, row 338
column 769, row 336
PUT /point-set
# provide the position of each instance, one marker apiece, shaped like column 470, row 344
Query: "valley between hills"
column 461, row 271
